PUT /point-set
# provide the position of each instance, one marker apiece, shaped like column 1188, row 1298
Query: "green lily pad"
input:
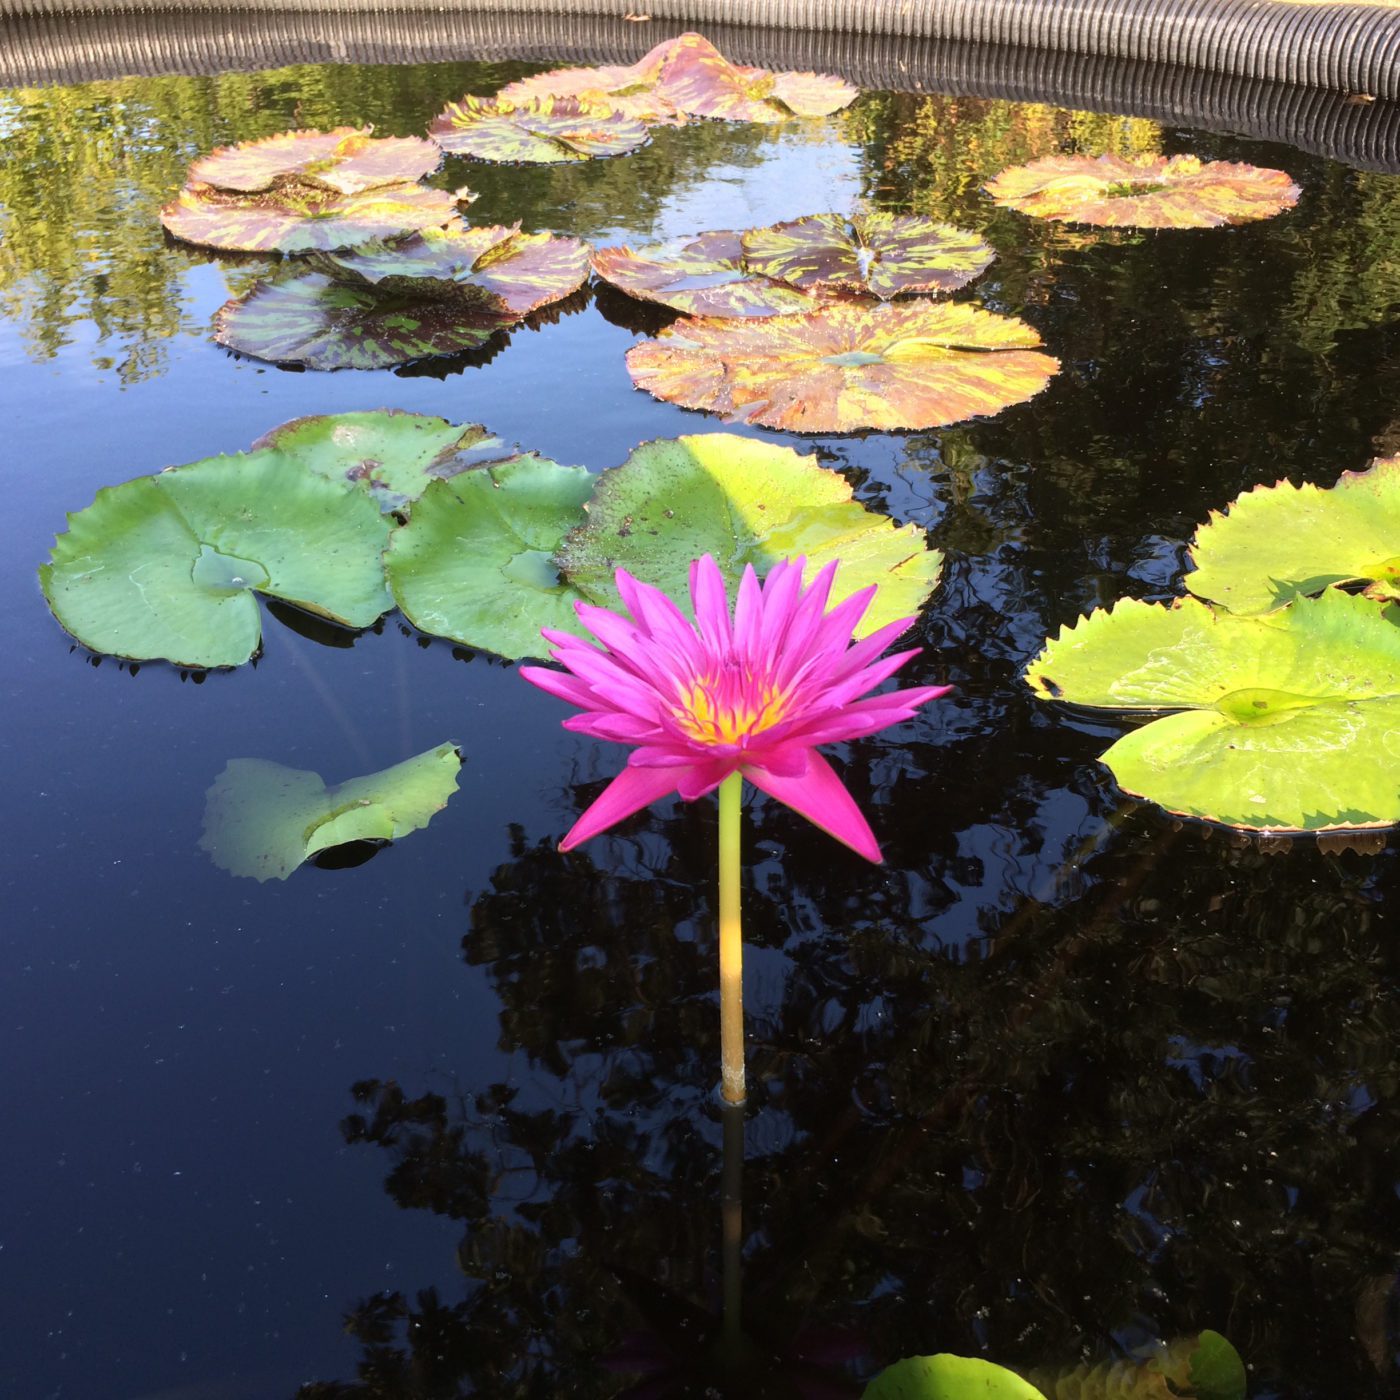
column 1206, row 1367
column 697, row 80
column 314, row 320
column 702, row 275
column 1216, row 1369
column 1291, row 719
column 537, row 131
column 263, row 820
column 947, row 1377
column 743, row 502
column 1275, row 543
column 847, row 366
column 296, row 217
column 474, row 563
column 1144, row 191
column 167, row 566
column 392, row 454
column 345, row 160
column 497, row 267
column 876, row 254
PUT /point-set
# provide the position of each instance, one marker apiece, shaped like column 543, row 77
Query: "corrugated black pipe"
column 1330, row 44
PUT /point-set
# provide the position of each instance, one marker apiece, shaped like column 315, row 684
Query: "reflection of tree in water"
column 1162, row 1095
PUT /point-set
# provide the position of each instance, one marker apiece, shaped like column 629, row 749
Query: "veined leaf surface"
column 345, row 160
column 544, row 130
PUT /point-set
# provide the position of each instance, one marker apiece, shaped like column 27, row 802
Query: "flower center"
column 729, row 706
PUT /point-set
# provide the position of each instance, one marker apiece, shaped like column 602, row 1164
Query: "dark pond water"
column 1060, row 1078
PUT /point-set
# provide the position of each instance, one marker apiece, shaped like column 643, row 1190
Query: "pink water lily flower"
column 753, row 694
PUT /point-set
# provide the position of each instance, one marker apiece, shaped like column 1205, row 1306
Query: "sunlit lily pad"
column 474, row 563
column 392, row 454
column 699, row 81
column 263, row 820
column 314, row 320
column 515, row 272
column 168, row 566
column 744, row 502
column 847, row 367
column 946, row 1377
column 876, row 254
column 1277, row 542
column 703, row 275
column 345, row 160
column 301, row 218
column 1291, row 720
column 1144, row 191
column 630, row 89
column 543, row 130
column 1206, row 1367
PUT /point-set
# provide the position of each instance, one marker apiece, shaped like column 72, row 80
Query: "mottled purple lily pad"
column 538, row 131
column 875, row 254
column 345, row 160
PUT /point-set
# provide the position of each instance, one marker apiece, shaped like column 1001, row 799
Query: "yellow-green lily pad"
column 346, row 160
column 263, row 820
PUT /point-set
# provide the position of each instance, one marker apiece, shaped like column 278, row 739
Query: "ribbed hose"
column 63, row 49
column 1343, row 47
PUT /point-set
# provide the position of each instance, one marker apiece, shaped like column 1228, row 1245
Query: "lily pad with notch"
column 626, row 88
column 295, row 217
column 168, row 566
column 1288, row 721
column 263, row 820
column 876, row 254
column 475, row 561
column 847, row 366
column 701, row 275
column 1147, row 191
column 346, row 160
column 536, row 131
column 1277, row 543
column 392, row 454
column 743, row 502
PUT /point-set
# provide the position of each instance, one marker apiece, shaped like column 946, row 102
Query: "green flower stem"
column 731, row 946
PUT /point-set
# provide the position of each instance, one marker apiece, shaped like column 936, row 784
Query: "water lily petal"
column 821, row 797
column 632, row 789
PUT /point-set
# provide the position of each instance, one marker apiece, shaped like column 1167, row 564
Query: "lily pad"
column 314, row 320
column 876, row 254
column 700, row 82
column 496, row 267
column 702, row 275
column 947, row 1377
column 345, row 160
column 544, row 130
column 847, row 367
column 1291, row 719
column 392, row 454
column 167, row 566
column 1276, row 543
column 1206, row 1367
column 263, row 820
column 474, row 563
column 300, row 218
column 1144, row 191
column 629, row 89
column 743, row 502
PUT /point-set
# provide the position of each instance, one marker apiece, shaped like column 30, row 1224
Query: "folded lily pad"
column 875, row 254
column 391, row 454
column 1144, row 191
column 1276, row 543
column 744, row 502
column 700, row 82
column 703, row 275
column 474, row 563
column 345, row 160
column 497, row 267
column 314, row 320
column 847, row 366
column 295, row 217
column 263, row 820
column 167, row 566
column 543, row 130
column 1291, row 720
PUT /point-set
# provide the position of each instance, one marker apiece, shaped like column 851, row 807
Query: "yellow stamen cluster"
column 728, row 709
